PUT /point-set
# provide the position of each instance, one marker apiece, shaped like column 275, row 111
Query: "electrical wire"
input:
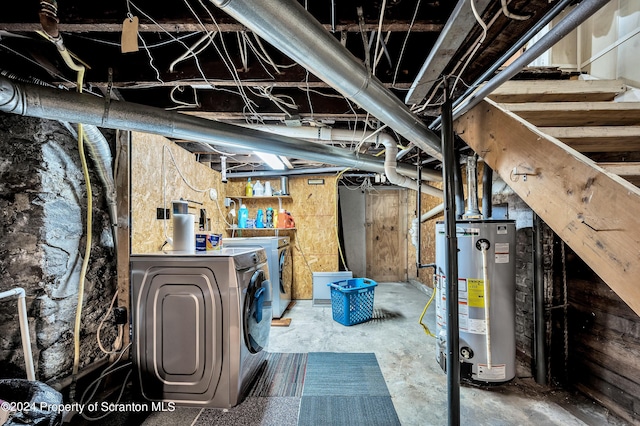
column 375, row 57
column 93, row 386
column 80, row 70
column 404, row 43
column 424, row 311
column 118, row 341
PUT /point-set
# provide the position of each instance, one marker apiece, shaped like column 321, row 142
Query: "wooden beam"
column 556, row 114
column 189, row 27
column 593, row 211
column 627, row 170
column 517, row 91
column 123, row 249
column 598, row 138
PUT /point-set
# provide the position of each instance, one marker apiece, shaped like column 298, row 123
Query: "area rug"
column 319, row 388
column 345, row 389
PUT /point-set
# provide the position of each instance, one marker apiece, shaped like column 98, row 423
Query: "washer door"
column 257, row 312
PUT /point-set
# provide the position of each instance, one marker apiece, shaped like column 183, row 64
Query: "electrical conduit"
column 24, row 328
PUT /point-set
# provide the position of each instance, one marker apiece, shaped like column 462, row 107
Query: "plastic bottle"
column 268, row 192
column 258, row 189
column 248, row 189
column 282, row 219
column 243, row 215
column 269, row 217
column 260, row 219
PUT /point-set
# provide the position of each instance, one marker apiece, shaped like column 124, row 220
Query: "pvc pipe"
column 24, row 329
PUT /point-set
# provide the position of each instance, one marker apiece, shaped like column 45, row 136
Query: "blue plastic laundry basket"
column 352, row 300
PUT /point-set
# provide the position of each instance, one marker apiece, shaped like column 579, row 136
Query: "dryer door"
column 178, row 324
column 257, row 312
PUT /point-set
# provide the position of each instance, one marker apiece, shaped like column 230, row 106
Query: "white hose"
column 24, row 329
column 487, row 292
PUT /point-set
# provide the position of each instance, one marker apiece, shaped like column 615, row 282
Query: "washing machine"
column 200, row 322
column 280, row 264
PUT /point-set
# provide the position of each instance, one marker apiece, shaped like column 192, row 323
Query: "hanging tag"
column 129, row 41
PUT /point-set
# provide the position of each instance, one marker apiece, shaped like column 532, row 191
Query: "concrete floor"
column 407, row 359
column 417, row 384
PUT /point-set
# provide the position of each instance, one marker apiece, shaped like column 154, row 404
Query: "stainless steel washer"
column 200, row 322
column 280, row 266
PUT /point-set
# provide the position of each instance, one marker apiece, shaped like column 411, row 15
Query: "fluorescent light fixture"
column 271, row 159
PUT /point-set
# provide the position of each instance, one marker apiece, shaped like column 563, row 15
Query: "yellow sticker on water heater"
column 475, row 289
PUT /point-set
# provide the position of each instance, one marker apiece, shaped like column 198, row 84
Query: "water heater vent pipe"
column 24, row 329
column 472, row 188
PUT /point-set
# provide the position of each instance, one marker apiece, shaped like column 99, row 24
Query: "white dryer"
column 200, row 323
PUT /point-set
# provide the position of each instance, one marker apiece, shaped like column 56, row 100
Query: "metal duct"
column 472, row 188
column 53, row 104
column 289, row 27
column 329, row 134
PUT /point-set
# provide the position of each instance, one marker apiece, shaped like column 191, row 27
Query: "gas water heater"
column 486, row 299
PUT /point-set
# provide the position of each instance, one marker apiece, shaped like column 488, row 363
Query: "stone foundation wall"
column 42, row 242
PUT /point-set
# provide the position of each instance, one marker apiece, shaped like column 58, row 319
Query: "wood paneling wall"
column 604, row 341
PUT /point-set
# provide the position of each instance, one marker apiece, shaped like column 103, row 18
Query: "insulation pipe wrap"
column 24, row 328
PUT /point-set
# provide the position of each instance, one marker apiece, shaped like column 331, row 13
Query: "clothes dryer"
column 280, row 266
column 200, row 323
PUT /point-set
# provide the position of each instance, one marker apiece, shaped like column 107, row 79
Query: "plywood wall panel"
column 155, row 181
column 313, row 208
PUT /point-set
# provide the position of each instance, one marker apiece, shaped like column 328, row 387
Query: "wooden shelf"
column 262, row 229
column 262, row 197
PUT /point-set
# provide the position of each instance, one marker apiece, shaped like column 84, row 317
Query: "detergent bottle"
column 243, row 215
column 260, row 219
column 248, row 189
column 269, row 217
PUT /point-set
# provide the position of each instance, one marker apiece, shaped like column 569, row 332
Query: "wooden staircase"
column 573, row 155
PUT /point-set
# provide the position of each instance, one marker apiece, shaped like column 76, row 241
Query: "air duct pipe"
column 100, row 152
column 53, row 104
column 328, row 134
column 290, row 28
column 98, row 149
column 24, row 328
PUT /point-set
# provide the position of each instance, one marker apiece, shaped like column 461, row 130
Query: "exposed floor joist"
column 592, row 210
column 556, row 114
column 518, row 91
column 597, row 138
column 628, row 170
